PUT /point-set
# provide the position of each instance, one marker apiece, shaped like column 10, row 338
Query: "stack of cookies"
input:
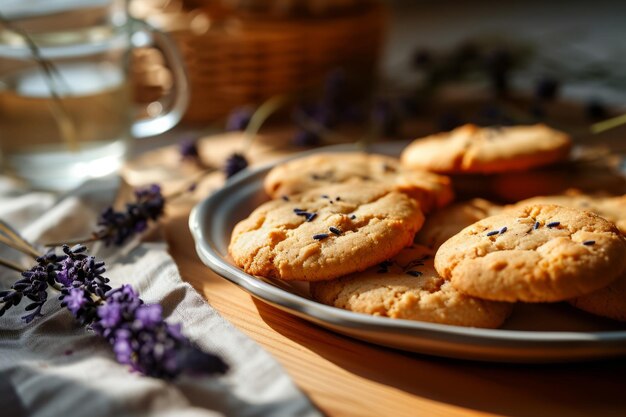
column 377, row 235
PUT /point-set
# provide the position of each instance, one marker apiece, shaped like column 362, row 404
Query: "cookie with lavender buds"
column 408, row 287
column 323, row 169
column 609, row 301
column 472, row 149
column 609, row 207
column 325, row 233
column 536, row 253
column 447, row 222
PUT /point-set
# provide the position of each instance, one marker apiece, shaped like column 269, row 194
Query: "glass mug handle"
column 141, row 34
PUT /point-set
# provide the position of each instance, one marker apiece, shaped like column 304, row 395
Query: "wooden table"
column 347, row 377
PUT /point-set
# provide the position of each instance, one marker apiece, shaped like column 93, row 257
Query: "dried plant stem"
column 11, row 265
column 265, row 110
column 15, row 236
column 66, row 126
column 608, row 124
column 19, row 247
column 326, row 134
column 77, row 241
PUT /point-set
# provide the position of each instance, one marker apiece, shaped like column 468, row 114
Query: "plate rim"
column 318, row 312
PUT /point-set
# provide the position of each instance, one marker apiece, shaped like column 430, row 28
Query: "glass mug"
column 66, row 109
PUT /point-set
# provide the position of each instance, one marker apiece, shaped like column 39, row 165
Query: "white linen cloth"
column 54, row 367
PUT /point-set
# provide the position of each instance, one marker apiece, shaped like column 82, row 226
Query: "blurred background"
column 447, row 62
column 328, row 70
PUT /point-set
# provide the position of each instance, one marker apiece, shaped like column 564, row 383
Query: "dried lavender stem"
column 77, row 241
column 261, row 114
column 19, row 247
column 11, row 265
column 13, row 234
column 608, row 124
column 326, row 134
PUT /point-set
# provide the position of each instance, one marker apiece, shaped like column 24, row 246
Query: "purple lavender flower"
column 33, row 286
column 142, row 339
column 234, row 164
column 137, row 332
column 82, row 281
column 116, row 227
column 75, row 300
column 239, row 119
column 81, row 270
column 149, row 315
column 188, row 149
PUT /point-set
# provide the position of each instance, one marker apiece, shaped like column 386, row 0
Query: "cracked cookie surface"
column 472, row 149
column 611, row 208
column 408, row 287
column 536, row 253
column 325, row 233
column 324, row 169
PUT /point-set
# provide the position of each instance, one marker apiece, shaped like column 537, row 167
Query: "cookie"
column 609, row 301
column 447, row 222
column 590, row 178
column 325, row 233
column 408, row 287
column 323, row 169
column 535, row 253
column 472, row 149
column 611, row 208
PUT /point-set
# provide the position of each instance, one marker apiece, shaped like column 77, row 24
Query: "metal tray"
column 535, row 332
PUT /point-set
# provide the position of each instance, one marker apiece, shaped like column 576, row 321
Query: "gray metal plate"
column 534, row 333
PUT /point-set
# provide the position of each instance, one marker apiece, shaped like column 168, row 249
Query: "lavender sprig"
column 139, row 335
column 33, row 286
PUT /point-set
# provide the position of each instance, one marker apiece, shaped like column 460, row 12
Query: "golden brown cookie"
column 325, row 233
column 611, row 208
column 609, row 301
column 408, row 287
column 447, row 222
column 472, row 149
column 515, row 186
column 323, row 169
column 536, row 253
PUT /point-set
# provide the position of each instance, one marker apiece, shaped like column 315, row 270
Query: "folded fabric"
column 54, row 367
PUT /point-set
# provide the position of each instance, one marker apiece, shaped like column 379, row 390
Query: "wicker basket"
column 237, row 60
